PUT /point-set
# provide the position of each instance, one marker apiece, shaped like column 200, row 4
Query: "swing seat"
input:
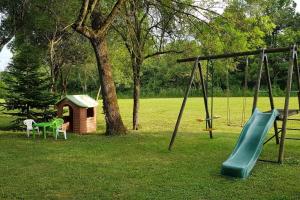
column 235, row 125
column 209, row 119
column 202, row 120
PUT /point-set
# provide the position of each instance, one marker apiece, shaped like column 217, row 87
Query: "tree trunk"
column 85, row 82
column 64, row 87
column 28, row 111
column 98, row 93
column 114, row 123
column 136, row 66
column 63, row 81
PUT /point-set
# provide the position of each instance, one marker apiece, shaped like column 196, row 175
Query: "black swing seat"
column 291, row 112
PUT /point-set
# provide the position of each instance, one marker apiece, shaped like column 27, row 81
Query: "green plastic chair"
column 53, row 126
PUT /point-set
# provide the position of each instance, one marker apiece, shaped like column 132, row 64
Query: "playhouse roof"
column 83, row 101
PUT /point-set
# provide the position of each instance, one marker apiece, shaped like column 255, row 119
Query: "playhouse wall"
column 81, row 124
column 91, row 122
column 79, row 121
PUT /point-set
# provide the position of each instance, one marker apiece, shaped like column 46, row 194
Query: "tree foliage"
column 145, row 34
column 27, row 84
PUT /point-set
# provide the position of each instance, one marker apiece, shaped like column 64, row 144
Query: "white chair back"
column 28, row 123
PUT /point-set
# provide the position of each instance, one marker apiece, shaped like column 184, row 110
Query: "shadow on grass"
column 12, row 134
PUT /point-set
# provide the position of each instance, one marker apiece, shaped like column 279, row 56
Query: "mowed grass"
column 139, row 166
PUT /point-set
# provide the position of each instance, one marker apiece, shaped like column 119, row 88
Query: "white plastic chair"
column 28, row 123
column 59, row 129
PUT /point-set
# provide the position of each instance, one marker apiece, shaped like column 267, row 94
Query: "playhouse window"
column 66, row 111
column 90, row 112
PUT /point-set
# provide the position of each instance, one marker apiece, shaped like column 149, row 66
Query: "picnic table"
column 44, row 126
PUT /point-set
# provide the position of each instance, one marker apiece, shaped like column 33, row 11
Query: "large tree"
column 147, row 27
column 94, row 25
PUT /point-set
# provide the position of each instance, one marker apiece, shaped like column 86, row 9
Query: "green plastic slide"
column 249, row 146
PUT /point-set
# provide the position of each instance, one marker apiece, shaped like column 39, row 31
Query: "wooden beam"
column 271, row 95
column 204, row 91
column 286, row 104
column 296, row 66
column 183, row 104
column 237, row 54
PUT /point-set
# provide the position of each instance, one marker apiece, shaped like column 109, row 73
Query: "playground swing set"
column 252, row 137
column 210, row 70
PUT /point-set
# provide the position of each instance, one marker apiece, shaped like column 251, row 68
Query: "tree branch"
column 162, row 52
column 110, row 18
column 145, row 14
column 79, row 23
column 82, row 13
column 4, row 41
column 196, row 7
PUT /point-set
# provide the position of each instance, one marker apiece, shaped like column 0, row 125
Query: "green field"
column 139, row 166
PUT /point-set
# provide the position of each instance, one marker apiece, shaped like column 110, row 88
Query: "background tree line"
column 143, row 39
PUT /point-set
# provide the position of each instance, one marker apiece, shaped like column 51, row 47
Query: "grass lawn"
column 139, row 166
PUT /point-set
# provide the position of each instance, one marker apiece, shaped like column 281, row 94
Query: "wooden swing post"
column 183, row 104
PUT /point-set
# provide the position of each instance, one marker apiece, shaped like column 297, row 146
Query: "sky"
column 5, row 57
column 5, row 54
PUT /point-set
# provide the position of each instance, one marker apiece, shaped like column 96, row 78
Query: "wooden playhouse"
column 78, row 112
